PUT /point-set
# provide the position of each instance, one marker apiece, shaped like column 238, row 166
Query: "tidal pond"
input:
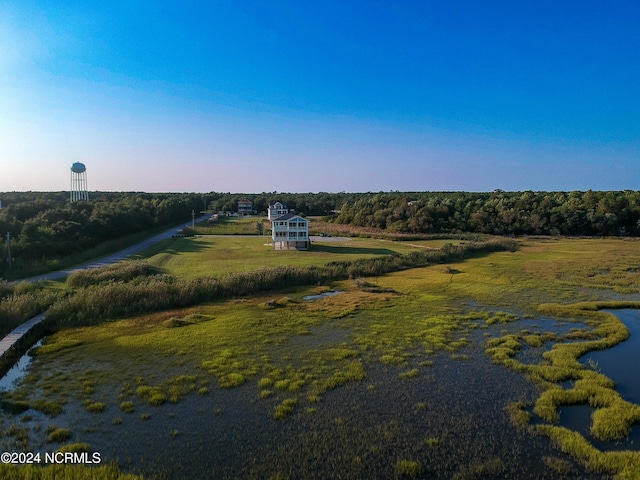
column 622, row 362
column 331, row 293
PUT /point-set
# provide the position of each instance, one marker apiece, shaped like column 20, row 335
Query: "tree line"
column 500, row 213
column 322, row 203
column 47, row 226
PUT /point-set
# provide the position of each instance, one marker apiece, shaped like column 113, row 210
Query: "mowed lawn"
column 211, row 256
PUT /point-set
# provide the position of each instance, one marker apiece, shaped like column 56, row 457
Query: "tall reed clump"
column 118, row 298
column 123, row 271
column 22, row 304
column 6, row 288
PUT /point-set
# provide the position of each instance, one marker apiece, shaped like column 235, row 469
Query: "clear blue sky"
column 308, row 96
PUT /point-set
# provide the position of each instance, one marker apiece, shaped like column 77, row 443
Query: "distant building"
column 245, row 207
column 290, row 231
column 276, row 209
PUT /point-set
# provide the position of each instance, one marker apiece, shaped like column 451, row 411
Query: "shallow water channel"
column 18, row 370
column 621, row 364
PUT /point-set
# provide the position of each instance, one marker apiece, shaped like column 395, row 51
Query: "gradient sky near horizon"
column 309, row 96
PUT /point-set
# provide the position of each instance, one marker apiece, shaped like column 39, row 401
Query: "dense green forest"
column 307, row 203
column 45, row 225
column 500, row 213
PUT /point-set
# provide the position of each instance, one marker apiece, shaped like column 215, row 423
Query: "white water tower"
column 78, row 182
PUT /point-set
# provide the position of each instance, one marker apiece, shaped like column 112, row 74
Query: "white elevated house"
column 290, row 231
column 276, row 209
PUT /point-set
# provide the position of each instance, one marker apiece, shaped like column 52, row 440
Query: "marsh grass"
column 558, row 465
column 75, row 447
column 237, row 347
column 490, row 468
column 295, row 350
column 286, row 408
column 520, row 418
column 51, row 408
column 58, row 435
column 152, row 395
column 408, row 468
column 125, row 271
column 14, row 407
column 413, row 373
column 95, row 407
column 433, row 442
column 56, row 472
column 622, row 464
column 96, row 303
column 19, row 433
column 25, row 304
column 613, row 417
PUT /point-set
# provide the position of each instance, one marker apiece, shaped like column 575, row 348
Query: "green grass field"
column 212, row 256
column 231, row 226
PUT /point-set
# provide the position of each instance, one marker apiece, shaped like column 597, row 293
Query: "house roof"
column 289, row 216
column 273, row 204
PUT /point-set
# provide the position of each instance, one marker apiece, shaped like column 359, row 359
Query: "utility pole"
column 9, row 249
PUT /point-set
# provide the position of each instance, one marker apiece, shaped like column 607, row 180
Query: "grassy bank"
column 205, row 256
column 160, row 292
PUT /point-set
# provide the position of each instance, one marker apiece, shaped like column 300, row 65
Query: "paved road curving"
column 132, row 250
column 114, row 257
